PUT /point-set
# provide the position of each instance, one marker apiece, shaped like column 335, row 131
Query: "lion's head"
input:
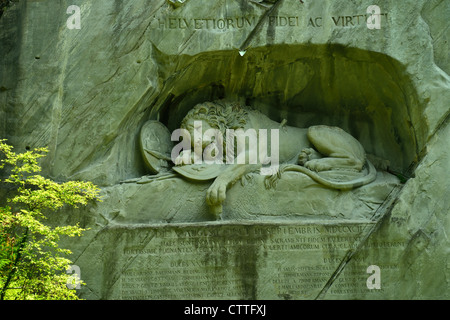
column 220, row 115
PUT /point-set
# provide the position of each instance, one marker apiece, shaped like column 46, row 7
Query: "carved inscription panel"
column 242, row 22
column 232, row 261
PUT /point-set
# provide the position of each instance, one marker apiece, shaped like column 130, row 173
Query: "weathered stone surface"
column 71, row 83
column 220, row 260
column 86, row 93
column 296, row 195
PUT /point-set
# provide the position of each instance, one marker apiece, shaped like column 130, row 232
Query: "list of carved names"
column 239, row 262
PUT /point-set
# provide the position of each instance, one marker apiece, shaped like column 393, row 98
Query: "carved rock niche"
column 368, row 94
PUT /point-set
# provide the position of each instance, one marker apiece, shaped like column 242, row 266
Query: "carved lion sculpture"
column 307, row 150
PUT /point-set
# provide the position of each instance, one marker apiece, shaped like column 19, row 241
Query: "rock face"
column 85, row 93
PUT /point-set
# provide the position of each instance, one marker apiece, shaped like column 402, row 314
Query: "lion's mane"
column 220, row 115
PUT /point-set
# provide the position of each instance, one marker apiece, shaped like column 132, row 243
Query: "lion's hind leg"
column 308, row 154
column 341, row 150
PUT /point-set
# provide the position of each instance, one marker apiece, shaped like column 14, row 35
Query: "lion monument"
column 310, row 150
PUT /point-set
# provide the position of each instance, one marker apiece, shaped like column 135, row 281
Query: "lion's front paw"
column 216, row 193
column 185, row 157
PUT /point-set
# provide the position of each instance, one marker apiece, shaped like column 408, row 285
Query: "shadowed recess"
column 368, row 94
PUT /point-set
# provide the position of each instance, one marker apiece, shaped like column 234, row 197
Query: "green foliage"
column 32, row 265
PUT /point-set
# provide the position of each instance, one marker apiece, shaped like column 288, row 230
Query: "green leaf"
column 30, row 256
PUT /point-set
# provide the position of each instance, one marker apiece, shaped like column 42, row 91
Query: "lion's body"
column 337, row 148
column 306, row 150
